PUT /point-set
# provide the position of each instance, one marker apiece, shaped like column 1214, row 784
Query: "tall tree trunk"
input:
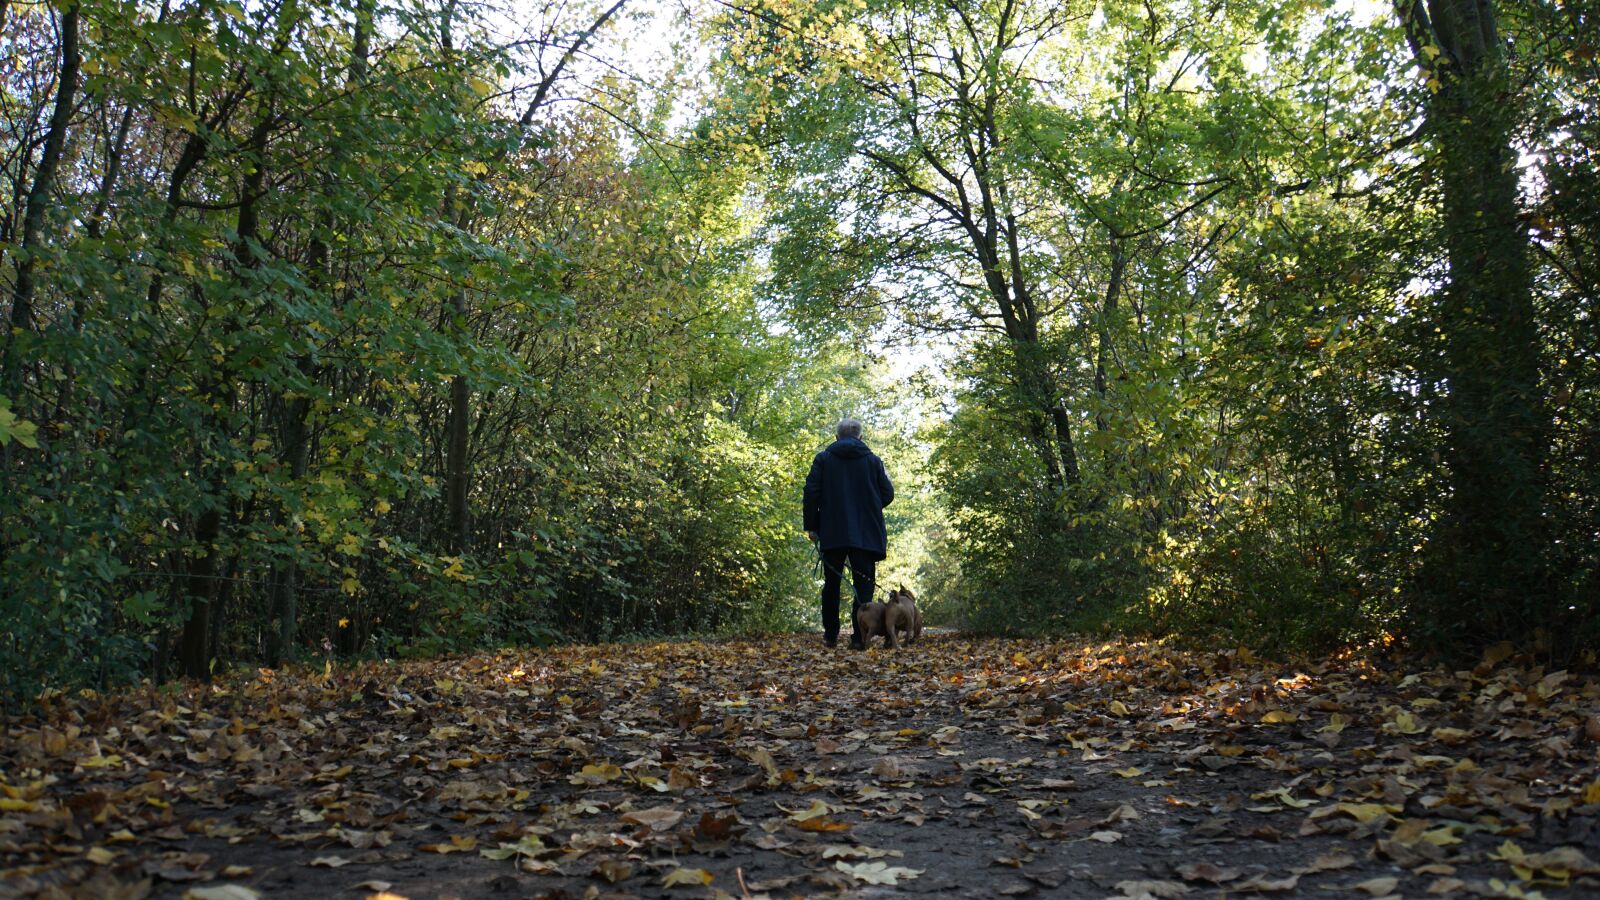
column 203, row 583
column 1488, row 561
column 44, row 177
column 456, row 472
column 294, row 427
column 1108, row 309
column 200, row 587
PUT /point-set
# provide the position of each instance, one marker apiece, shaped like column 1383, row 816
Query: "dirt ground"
column 773, row 766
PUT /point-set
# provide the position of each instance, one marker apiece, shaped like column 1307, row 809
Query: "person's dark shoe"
column 856, row 643
column 830, row 641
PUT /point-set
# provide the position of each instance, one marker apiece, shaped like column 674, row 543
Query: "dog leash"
column 822, row 560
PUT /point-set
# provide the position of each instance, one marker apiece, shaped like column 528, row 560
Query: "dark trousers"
column 863, row 569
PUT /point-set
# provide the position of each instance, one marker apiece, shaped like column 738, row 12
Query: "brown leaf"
column 614, row 870
column 656, row 818
column 1204, row 871
column 1144, row 890
column 1377, row 887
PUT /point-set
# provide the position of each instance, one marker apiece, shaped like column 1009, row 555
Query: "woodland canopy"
column 402, row 327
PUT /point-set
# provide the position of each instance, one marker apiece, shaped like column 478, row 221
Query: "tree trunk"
column 201, row 584
column 39, row 195
column 1488, row 566
column 195, row 650
column 456, row 472
column 1103, row 332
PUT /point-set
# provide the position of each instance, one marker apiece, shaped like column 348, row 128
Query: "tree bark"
column 1488, row 568
column 39, row 194
column 1108, row 309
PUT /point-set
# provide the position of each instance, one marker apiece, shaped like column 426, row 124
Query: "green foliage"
column 1233, row 261
column 263, row 284
column 1264, row 320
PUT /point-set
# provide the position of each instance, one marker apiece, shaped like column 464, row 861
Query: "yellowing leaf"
column 877, row 872
column 1365, row 812
column 686, row 878
column 100, row 855
column 656, row 818
column 1508, row 851
column 1377, row 887
column 1441, row 837
column 1279, row 717
column 1402, row 723
column 222, row 892
column 1336, row 723
column 458, row 843
column 1129, row 772
column 596, row 774
column 817, row 808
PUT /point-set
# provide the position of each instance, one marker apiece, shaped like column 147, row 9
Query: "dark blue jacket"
column 845, row 496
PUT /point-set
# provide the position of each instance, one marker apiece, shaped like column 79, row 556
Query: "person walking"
column 845, row 494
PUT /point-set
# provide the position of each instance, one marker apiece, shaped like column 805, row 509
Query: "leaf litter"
column 774, row 767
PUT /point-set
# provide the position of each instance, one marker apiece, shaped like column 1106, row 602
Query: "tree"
column 1490, row 571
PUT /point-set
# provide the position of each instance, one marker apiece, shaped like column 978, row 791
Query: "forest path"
column 956, row 767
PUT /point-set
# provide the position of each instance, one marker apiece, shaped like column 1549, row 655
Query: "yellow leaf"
column 1129, row 772
column 1119, row 708
column 1508, row 851
column 686, row 877
column 1402, row 723
column 817, row 808
column 458, row 843
column 877, row 872
column 1441, row 836
column 1279, row 717
column 596, row 774
column 1591, row 794
column 1336, row 723
column 1365, row 812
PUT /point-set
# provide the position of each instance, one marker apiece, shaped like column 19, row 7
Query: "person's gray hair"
column 848, row 428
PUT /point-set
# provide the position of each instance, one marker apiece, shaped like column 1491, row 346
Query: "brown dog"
column 902, row 615
column 872, row 619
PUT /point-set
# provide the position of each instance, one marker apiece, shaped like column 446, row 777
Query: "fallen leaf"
column 1158, row 889
column 222, row 892
column 458, row 844
column 656, row 818
column 614, row 870
column 816, row 809
column 877, row 872
column 1204, row 871
column 1377, row 887
column 686, row 878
